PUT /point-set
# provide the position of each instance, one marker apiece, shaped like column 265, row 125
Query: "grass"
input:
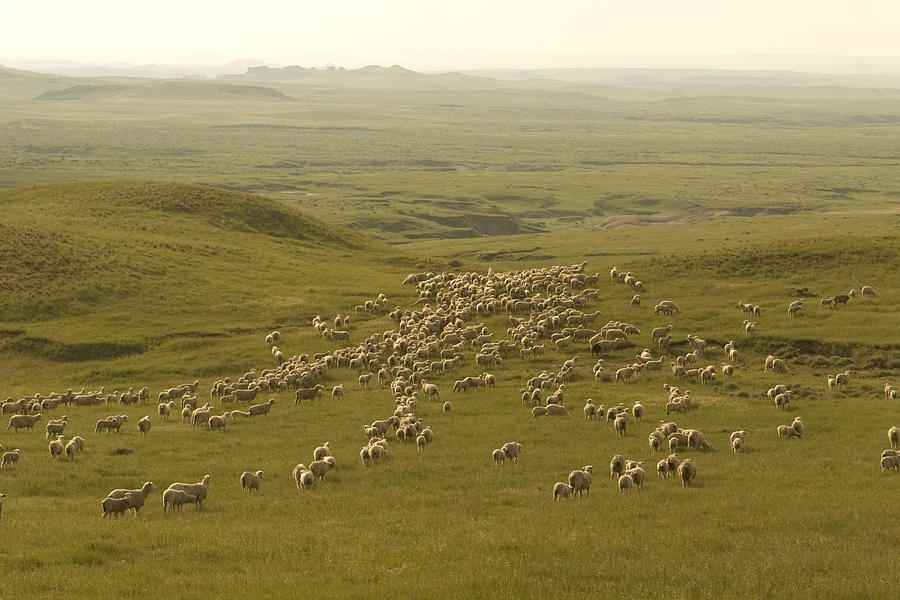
column 149, row 282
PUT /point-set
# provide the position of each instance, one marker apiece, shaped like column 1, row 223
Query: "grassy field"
column 112, row 275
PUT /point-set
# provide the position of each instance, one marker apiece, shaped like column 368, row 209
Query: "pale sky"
column 428, row 34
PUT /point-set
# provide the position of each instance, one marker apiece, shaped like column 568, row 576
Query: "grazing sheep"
column 797, row 425
column 176, row 499
column 18, row 422
column 498, row 456
column 144, row 425
column 57, row 447
column 303, row 477
column 788, row 432
column 250, row 480
column 894, row 436
column 337, row 391
column 56, row 426
column 555, row 410
column 116, row 506
column 636, row 301
column 842, row 379
column 216, row 423
column 512, row 450
column 687, row 471
column 562, row 490
column 199, row 490
column 138, row 496
column 867, row 291
column 697, row 440
column 580, row 480
column 447, row 407
column 737, row 434
column 320, row 467
column 10, row 458
column 890, row 462
column 590, row 411
column 625, row 482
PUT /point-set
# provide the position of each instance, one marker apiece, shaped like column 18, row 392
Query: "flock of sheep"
column 544, row 308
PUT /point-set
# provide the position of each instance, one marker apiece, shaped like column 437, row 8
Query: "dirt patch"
column 694, row 215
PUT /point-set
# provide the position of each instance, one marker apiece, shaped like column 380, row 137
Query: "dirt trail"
column 691, row 215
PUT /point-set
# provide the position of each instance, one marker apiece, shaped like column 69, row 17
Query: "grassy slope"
column 448, row 515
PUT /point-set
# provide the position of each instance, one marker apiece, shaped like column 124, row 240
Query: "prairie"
column 133, row 255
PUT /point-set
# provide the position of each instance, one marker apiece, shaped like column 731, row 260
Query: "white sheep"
column 562, row 490
column 216, row 423
column 637, row 410
column 447, row 407
column 320, row 467
column 637, row 475
column 662, row 469
column 625, row 482
column 10, row 458
column 57, row 447
column 250, row 480
column 867, row 291
column 261, row 409
column 199, row 490
column 116, row 506
column 512, row 450
column 737, row 444
column 138, row 496
column 687, row 471
column 322, row 451
column 788, row 432
column 176, row 499
column 337, row 391
column 894, row 436
column 617, row 466
column 797, row 425
column 498, row 456
column 144, row 425
column 580, row 480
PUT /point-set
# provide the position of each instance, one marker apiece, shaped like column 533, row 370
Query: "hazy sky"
column 444, row 34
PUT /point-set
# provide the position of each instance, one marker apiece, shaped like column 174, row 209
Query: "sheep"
column 890, row 462
column 364, row 380
column 617, row 465
column 590, row 411
column 655, row 440
column 625, row 374
column 562, row 490
column 788, row 432
column 138, row 496
column 303, row 477
column 662, row 469
column 498, row 456
column 308, row 393
column 889, row 391
column 512, row 450
column 164, row 409
column 827, row 302
column 555, row 410
column 625, row 482
column 11, row 458
column 447, row 407
column 322, row 451
column 421, row 442
column 621, row 423
column 737, row 444
column 698, row 344
column 842, row 379
column 320, row 467
column 797, row 425
column 261, row 409
column 199, row 490
column 111, row 423
column 782, row 401
column 580, row 480
column 71, row 449
column 250, row 480
column 216, row 423
column 894, row 436
column 696, row 439
column 868, row 291
column 18, row 422
column 176, row 499
column 687, row 471
column 144, row 425
column 737, row 434
column 660, row 332
column 779, row 366
column 365, row 456
column 794, row 309
column 57, row 447
column 116, row 506
column 56, row 426
column 636, row 301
